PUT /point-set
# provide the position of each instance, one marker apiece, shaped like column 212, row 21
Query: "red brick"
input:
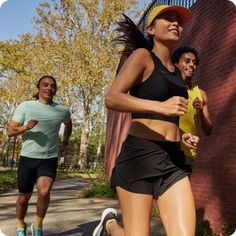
column 212, row 31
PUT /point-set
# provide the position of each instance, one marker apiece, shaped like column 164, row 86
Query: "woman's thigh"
column 136, row 210
column 177, row 209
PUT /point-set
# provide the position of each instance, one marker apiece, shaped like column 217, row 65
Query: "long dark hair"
column 36, row 96
column 130, row 36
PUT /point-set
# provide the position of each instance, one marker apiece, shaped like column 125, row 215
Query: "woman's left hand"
column 190, row 140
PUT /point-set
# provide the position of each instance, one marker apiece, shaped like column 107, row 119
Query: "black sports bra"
column 160, row 86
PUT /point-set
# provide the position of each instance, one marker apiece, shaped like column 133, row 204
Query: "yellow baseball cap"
column 156, row 11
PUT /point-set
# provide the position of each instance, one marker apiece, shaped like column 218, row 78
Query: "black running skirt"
column 149, row 167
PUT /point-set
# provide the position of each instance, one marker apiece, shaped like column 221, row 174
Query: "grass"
column 203, row 228
column 8, row 179
column 72, row 175
column 99, row 188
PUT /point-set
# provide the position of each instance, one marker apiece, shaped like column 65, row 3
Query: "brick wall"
column 212, row 31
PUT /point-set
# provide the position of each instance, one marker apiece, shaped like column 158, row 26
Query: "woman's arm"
column 137, row 69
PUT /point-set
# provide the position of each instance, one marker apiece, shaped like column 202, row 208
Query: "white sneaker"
column 107, row 214
column 234, row 234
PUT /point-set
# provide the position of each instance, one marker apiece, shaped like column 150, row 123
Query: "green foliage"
column 99, row 189
column 72, row 42
column 72, row 175
column 154, row 213
column 203, row 228
column 8, row 179
column 227, row 229
column 93, row 146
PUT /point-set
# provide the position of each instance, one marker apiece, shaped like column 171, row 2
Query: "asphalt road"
column 67, row 214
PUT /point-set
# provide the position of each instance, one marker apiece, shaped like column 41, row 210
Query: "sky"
column 16, row 17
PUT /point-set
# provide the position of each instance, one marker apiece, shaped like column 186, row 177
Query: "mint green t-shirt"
column 41, row 142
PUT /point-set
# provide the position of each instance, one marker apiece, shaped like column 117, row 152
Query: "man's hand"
column 31, row 123
column 198, row 104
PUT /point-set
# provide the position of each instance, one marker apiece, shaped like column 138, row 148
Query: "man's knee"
column 44, row 193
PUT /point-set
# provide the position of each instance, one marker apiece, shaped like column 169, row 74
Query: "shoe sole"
column 98, row 229
column 32, row 229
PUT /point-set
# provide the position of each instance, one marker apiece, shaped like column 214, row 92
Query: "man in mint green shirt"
column 38, row 122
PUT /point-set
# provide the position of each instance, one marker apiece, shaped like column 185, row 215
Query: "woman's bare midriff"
column 154, row 130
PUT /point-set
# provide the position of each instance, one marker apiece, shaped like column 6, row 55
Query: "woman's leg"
column 115, row 229
column 177, row 209
column 136, row 210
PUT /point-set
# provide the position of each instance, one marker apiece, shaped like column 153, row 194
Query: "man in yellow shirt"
column 197, row 117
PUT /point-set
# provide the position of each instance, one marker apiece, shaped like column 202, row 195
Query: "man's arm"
column 67, row 132
column 203, row 114
column 15, row 128
column 66, row 136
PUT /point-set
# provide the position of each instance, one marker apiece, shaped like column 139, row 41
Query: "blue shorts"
column 149, row 167
column 30, row 169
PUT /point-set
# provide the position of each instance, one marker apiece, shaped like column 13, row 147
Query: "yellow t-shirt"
column 188, row 123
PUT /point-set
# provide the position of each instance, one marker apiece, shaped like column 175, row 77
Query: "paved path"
column 67, row 215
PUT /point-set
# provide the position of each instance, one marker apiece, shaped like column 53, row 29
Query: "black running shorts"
column 30, row 169
column 149, row 167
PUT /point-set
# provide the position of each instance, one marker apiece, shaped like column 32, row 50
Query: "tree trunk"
column 102, row 121
column 98, row 155
column 83, row 155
